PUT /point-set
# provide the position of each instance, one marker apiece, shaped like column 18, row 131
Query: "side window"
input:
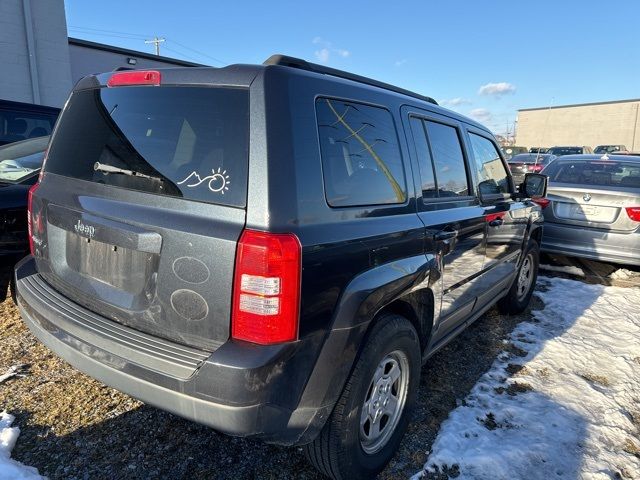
column 492, row 176
column 448, row 160
column 361, row 159
column 16, row 126
column 425, row 163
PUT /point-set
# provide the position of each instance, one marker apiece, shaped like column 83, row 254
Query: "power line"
column 109, row 35
column 181, row 54
column 199, row 52
column 75, row 27
column 135, row 36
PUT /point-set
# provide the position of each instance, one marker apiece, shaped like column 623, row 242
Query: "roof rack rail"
column 294, row 62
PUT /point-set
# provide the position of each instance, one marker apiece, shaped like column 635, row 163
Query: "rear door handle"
column 496, row 223
column 445, row 235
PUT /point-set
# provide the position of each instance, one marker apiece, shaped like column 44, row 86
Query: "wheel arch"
column 400, row 287
column 418, row 308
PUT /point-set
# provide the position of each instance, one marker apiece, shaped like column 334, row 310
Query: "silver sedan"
column 594, row 208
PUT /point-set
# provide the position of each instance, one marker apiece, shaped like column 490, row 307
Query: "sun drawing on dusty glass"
column 219, row 181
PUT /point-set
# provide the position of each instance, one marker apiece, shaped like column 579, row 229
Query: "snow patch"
column 10, row 469
column 563, row 269
column 624, row 274
column 570, row 408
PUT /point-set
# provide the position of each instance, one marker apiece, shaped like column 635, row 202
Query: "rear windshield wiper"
column 103, row 167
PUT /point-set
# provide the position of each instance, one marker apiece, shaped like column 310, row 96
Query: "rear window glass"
column 598, row 173
column 189, row 142
column 361, row 159
column 531, row 158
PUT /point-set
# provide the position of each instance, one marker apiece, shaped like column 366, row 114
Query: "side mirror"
column 534, row 186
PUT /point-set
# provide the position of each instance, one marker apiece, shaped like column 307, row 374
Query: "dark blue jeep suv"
column 272, row 250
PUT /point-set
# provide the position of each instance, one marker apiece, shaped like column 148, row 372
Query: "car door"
column 505, row 219
column 452, row 215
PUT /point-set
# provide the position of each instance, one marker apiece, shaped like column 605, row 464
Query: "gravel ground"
column 74, row 427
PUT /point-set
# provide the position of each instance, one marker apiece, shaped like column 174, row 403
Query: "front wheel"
column 372, row 414
column 517, row 300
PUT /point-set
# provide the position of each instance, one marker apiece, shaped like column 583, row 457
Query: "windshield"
column 21, row 160
column 603, row 173
column 189, row 142
column 558, row 151
column 607, row 149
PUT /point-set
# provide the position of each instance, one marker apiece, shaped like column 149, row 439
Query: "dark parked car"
column 20, row 121
column 509, row 152
column 559, row 151
column 272, row 250
column 526, row 163
column 609, row 149
column 19, row 168
column 594, row 209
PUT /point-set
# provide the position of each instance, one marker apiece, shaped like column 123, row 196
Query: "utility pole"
column 157, row 41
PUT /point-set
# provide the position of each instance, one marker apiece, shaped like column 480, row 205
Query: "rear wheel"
column 520, row 293
column 372, row 414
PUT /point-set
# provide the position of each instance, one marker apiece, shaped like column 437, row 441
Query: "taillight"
column 266, row 288
column 536, row 168
column 135, row 77
column 543, row 202
column 634, row 213
column 30, row 216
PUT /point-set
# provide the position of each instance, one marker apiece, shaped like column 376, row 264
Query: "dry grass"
column 595, row 378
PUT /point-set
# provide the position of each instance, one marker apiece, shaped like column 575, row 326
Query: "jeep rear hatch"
column 142, row 203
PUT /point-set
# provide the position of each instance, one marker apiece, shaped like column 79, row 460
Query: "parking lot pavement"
column 74, row 427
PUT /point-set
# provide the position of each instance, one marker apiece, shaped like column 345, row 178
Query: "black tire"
column 5, row 277
column 338, row 452
column 516, row 301
column 12, row 287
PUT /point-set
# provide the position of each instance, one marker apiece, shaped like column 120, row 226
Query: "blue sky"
column 524, row 54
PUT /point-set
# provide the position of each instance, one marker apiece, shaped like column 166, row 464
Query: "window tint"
column 17, row 126
column 361, row 157
column 492, row 176
column 429, row 189
column 451, row 175
column 186, row 142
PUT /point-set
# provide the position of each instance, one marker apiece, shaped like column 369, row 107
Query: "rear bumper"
column 622, row 248
column 240, row 389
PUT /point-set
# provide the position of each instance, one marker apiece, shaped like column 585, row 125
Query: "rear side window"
column 361, row 159
column 442, row 166
column 596, row 173
column 492, row 176
column 16, row 126
column 189, row 142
